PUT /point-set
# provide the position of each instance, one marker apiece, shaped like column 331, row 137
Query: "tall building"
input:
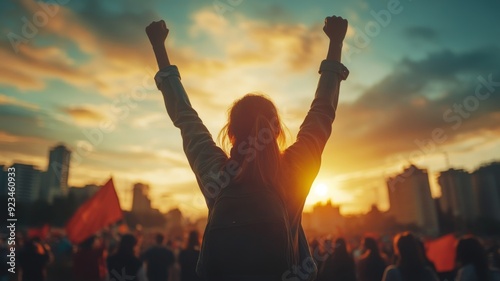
column 411, row 201
column 486, row 186
column 458, row 197
column 27, row 182
column 140, row 201
column 56, row 183
column 3, row 180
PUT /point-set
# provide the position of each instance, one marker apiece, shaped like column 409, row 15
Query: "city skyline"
column 424, row 92
column 137, row 197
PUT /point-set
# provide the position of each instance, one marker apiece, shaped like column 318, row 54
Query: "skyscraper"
column 27, row 182
column 56, row 183
column 486, row 185
column 140, row 201
column 458, row 197
column 3, row 180
column 411, row 201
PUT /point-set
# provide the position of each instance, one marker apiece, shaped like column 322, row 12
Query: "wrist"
column 158, row 45
column 336, row 43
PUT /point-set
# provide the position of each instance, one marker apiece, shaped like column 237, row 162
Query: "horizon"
column 84, row 77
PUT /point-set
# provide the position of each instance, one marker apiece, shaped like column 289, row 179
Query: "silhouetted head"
column 340, row 248
column 471, row 251
column 370, row 245
column 410, row 257
column 255, row 133
column 159, row 238
column 127, row 245
column 193, row 240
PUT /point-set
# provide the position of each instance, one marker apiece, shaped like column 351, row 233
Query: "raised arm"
column 157, row 32
column 304, row 155
column 205, row 158
column 335, row 28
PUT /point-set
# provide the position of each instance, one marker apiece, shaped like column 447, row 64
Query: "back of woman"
column 472, row 261
column 255, row 194
column 371, row 266
column 339, row 266
column 411, row 265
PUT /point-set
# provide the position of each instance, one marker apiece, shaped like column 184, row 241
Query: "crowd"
column 106, row 257
column 406, row 260
column 150, row 257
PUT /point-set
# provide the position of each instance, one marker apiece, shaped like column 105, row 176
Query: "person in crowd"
column 372, row 265
column 89, row 262
column 34, row 257
column 159, row 260
column 124, row 264
column 428, row 262
column 188, row 257
column 472, row 261
column 256, row 160
column 410, row 265
column 339, row 265
column 494, row 257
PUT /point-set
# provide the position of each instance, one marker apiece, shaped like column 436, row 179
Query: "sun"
column 320, row 189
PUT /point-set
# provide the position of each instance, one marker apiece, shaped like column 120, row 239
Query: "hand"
column 335, row 28
column 157, row 32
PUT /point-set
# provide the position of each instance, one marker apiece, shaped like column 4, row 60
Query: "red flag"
column 99, row 211
column 441, row 252
column 41, row 232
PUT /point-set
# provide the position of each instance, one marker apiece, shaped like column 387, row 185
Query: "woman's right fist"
column 335, row 28
column 157, row 32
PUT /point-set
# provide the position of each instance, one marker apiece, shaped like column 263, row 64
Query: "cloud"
column 406, row 106
column 7, row 100
column 84, row 116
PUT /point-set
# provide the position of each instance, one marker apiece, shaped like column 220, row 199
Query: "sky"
column 424, row 87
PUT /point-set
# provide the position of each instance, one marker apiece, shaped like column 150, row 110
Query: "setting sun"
column 320, row 189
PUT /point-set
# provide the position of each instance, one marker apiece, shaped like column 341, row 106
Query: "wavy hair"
column 254, row 137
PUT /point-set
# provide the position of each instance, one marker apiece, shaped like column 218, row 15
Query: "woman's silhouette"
column 256, row 194
column 410, row 265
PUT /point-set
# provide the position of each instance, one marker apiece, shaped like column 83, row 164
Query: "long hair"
column 255, row 135
column 470, row 251
column 371, row 246
column 410, row 258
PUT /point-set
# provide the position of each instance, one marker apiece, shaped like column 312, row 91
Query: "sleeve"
column 304, row 156
column 205, row 158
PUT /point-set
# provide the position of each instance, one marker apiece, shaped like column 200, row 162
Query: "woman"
column 472, row 261
column 371, row 266
column 411, row 265
column 124, row 264
column 189, row 257
column 257, row 163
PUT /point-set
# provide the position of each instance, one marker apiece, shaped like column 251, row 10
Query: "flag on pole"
column 99, row 211
column 441, row 252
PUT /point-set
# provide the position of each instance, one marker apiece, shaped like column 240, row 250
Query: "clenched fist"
column 335, row 28
column 157, row 32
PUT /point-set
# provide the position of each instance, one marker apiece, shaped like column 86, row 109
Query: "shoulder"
column 430, row 273
column 391, row 273
column 495, row 274
column 467, row 270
